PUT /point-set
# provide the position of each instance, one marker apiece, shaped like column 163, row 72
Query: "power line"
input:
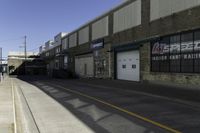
column 19, row 38
column 37, row 48
column 33, row 49
column 8, row 40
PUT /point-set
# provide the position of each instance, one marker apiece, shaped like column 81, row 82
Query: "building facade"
column 19, row 65
column 139, row 40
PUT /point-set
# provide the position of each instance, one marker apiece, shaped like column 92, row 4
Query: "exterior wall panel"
column 73, row 40
column 64, row 43
column 162, row 8
column 127, row 17
column 84, row 35
column 154, row 13
column 57, row 40
column 100, row 28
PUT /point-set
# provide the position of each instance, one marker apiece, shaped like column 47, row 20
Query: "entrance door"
column 128, row 65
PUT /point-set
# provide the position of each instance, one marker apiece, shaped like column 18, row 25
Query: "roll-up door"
column 128, row 65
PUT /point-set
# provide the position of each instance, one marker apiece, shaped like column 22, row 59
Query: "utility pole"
column 1, row 58
column 1, row 65
column 25, row 55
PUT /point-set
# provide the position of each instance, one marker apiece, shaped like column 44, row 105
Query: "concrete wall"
column 16, row 64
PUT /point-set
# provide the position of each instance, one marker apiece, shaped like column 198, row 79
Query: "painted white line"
column 14, row 108
column 28, row 106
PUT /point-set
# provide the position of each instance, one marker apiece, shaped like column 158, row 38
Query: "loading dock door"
column 84, row 66
column 128, row 65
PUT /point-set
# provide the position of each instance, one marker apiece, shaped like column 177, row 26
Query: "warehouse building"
column 139, row 40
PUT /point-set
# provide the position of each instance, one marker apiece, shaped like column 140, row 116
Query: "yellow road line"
column 122, row 110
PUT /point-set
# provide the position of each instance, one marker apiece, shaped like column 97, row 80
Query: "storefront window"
column 164, row 54
column 197, row 51
column 155, row 48
column 187, row 52
column 177, row 53
column 175, row 49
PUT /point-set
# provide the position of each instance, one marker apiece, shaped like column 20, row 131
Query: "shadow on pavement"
column 98, row 117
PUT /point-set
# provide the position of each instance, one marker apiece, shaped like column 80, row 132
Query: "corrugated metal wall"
column 162, row 8
column 83, row 35
column 65, row 43
column 73, row 40
column 100, row 28
column 127, row 17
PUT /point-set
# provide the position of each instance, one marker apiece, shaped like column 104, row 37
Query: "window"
column 57, row 50
column 47, row 54
column 155, row 47
column 160, row 53
column 177, row 53
column 164, row 54
column 65, row 62
column 123, row 66
column 175, row 62
column 56, row 64
column 197, row 52
column 187, row 52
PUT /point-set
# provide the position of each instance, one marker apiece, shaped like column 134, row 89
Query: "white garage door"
column 84, row 66
column 128, row 65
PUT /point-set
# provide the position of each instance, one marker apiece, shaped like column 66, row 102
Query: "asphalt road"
column 108, row 109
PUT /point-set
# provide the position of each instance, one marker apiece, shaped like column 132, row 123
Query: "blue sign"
column 98, row 44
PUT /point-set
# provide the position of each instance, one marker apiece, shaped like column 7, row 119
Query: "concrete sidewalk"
column 6, row 107
column 48, row 116
column 26, row 109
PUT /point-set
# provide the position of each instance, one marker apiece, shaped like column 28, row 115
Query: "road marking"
column 192, row 105
column 14, row 108
column 121, row 109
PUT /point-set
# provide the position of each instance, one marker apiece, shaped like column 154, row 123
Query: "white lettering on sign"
column 97, row 45
column 176, row 57
column 162, row 48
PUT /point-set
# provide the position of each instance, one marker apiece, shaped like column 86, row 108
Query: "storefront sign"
column 97, row 44
column 186, row 50
column 162, row 48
